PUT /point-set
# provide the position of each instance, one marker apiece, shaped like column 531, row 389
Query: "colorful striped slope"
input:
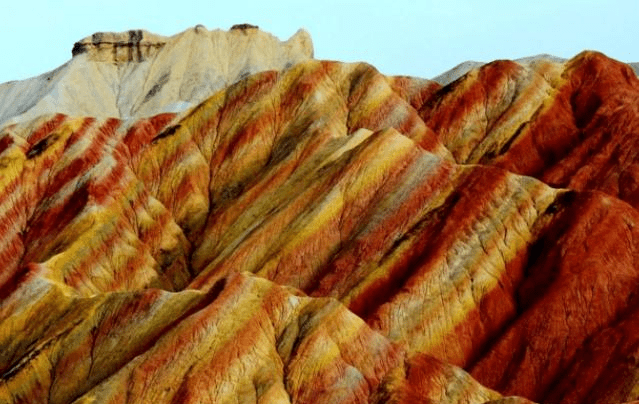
column 325, row 234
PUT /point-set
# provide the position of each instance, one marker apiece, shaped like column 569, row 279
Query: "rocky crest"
column 321, row 233
column 137, row 74
column 131, row 46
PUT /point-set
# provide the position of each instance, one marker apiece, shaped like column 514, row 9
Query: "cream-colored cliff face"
column 137, row 74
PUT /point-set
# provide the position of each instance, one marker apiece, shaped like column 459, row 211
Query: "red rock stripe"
column 46, row 128
column 438, row 232
column 347, row 269
column 559, row 294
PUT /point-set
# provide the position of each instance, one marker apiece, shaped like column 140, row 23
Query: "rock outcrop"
column 322, row 233
column 137, row 74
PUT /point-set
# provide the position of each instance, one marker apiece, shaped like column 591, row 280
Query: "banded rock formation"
column 461, row 69
column 326, row 234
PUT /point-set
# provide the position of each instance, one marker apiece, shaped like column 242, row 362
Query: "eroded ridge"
column 324, row 233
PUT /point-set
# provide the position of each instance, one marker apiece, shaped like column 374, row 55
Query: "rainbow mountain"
column 218, row 217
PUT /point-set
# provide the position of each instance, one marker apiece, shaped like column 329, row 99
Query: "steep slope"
column 570, row 126
column 138, row 74
column 246, row 341
column 324, row 233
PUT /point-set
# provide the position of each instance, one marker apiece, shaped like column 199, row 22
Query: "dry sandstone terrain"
column 218, row 217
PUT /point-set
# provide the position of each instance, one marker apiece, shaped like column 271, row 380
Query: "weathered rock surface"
column 571, row 125
column 326, row 234
column 138, row 74
column 461, row 69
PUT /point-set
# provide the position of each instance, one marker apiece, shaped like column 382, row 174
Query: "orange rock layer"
column 327, row 234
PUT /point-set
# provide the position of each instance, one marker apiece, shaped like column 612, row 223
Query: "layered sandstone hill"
column 461, row 69
column 325, row 234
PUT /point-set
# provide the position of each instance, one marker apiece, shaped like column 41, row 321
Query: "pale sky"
column 418, row 38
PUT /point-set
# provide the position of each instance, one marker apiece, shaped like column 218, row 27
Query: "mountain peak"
column 138, row 45
column 137, row 73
